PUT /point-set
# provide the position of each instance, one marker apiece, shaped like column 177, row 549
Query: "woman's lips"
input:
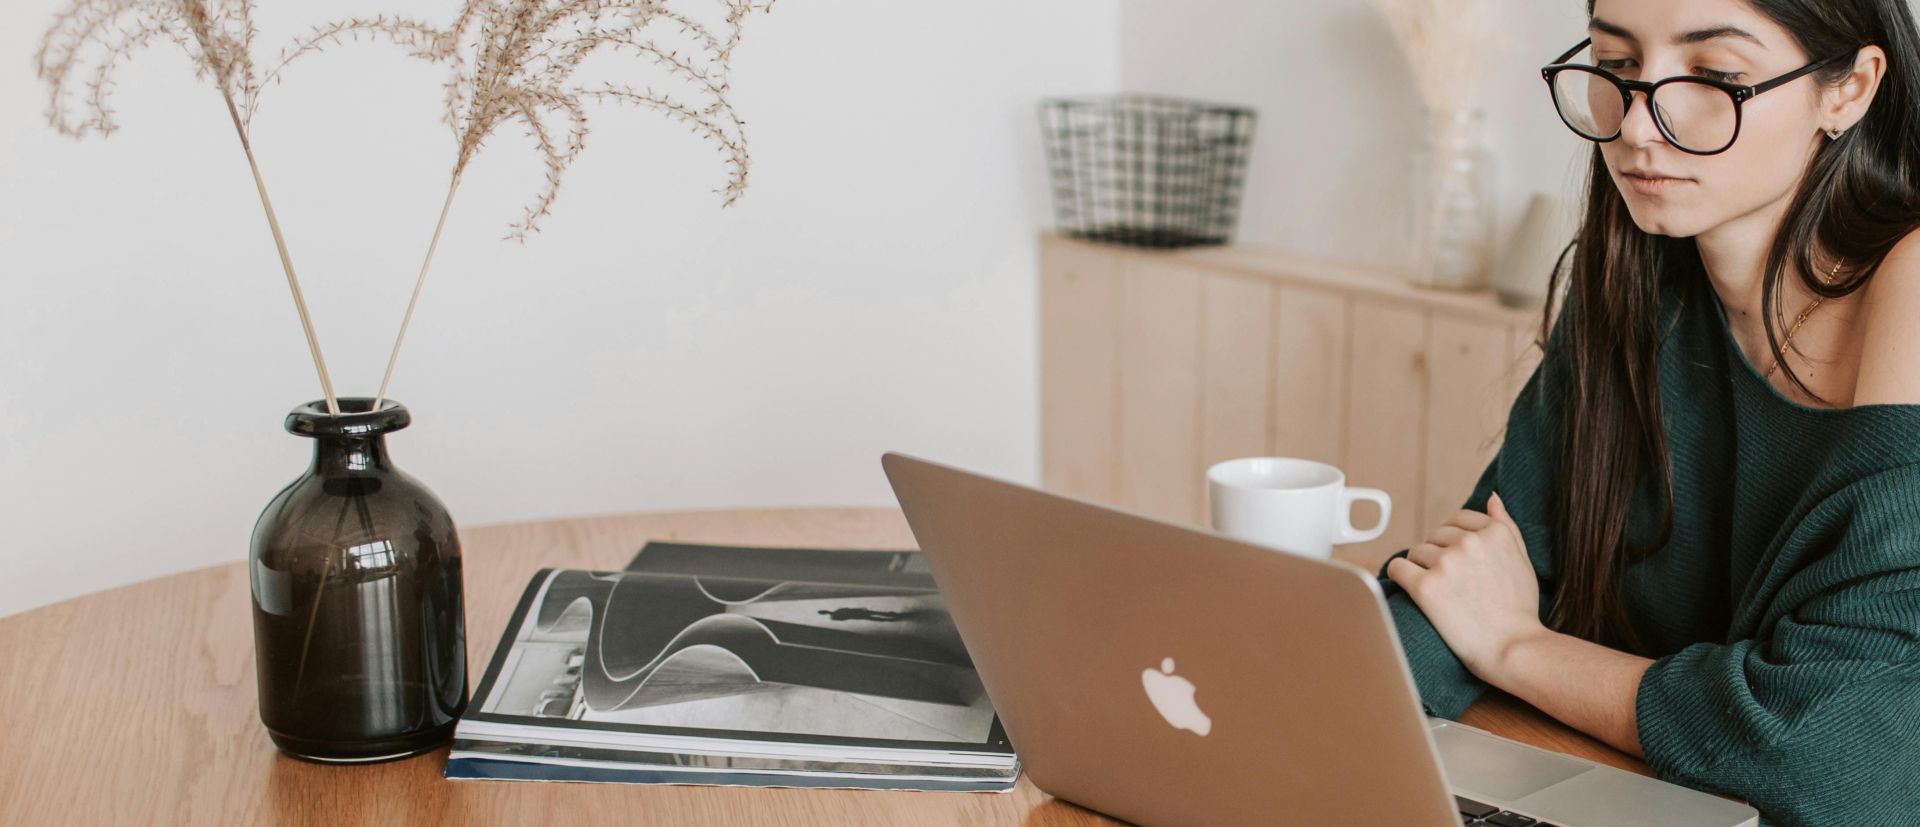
column 1654, row 187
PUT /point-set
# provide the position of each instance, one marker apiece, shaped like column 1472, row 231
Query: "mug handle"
column 1345, row 530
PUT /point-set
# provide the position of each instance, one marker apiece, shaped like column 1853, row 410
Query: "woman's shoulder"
column 1889, row 370
column 1872, row 515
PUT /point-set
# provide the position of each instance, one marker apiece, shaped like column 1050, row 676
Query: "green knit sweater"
column 1785, row 608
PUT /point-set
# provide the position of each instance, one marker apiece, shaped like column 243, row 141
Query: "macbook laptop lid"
column 1138, row 665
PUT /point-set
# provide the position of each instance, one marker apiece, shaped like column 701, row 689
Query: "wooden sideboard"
column 1157, row 364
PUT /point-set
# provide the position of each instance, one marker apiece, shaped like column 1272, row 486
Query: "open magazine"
column 704, row 664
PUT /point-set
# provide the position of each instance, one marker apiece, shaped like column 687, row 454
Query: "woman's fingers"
column 1469, row 519
column 1446, row 535
column 1498, row 511
column 1404, row 571
column 1424, row 554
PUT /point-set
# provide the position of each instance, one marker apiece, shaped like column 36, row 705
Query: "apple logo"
column 1172, row 695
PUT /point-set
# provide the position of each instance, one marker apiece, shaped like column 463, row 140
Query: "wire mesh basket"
column 1146, row 170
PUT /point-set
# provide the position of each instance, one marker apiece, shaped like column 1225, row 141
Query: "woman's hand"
column 1473, row 580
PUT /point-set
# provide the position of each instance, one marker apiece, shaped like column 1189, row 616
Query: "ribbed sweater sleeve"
column 1521, row 472
column 1446, row 687
column 1815, row 718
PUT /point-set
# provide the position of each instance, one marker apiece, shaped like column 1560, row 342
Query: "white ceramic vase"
column 1451, row 204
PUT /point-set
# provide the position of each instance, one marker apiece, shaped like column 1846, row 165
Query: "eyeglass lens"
column 1696, row 116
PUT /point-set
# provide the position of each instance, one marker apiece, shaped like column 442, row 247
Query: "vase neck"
column 1457, row 126
column 359, row 454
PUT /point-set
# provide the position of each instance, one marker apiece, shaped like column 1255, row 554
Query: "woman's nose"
column 1637, row 127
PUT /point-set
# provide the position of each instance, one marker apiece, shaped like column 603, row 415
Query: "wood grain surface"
column 137, row 706
column 1156, row 364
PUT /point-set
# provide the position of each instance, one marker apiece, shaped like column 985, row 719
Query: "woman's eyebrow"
column 1682, row 39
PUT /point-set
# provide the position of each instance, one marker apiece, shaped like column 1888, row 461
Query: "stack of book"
column 703, row 664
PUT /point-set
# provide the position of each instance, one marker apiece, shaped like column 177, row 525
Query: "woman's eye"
column 1620, row 64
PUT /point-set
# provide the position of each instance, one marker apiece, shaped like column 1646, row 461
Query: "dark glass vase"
column 358, row 623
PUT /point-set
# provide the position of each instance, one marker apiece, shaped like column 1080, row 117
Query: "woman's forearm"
column 1585, row 685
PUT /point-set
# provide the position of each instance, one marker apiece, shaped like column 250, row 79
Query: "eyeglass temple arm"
column 1796, row 74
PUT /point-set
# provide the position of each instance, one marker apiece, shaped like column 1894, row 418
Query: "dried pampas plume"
column 508, row 61
column 1447, row 43
column 515, row 61
column 92, row 38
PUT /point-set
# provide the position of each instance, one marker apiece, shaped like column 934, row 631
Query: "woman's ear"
column 1845, row 104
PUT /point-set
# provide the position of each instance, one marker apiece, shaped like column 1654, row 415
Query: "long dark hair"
column 1860, row 196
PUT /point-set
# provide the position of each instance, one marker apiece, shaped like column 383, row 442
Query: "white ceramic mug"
column 1294, row 505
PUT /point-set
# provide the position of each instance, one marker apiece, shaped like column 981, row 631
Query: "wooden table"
column 137, row 705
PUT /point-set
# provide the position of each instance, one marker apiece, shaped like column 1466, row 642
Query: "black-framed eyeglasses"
column 1695, row 114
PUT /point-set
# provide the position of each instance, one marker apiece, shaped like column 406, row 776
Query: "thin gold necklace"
column 1796, row 322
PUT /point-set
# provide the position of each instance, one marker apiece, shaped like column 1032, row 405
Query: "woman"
column 1700, row 540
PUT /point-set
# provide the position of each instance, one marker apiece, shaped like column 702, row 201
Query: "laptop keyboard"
column 1476, row 813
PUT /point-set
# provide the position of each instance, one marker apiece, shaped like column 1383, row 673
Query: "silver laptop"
column 1168, row 675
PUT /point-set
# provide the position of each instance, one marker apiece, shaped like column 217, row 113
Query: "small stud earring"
column 1835, row 133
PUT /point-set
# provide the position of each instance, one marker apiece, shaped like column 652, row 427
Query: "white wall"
column 1338, row 113
column 873, row 290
